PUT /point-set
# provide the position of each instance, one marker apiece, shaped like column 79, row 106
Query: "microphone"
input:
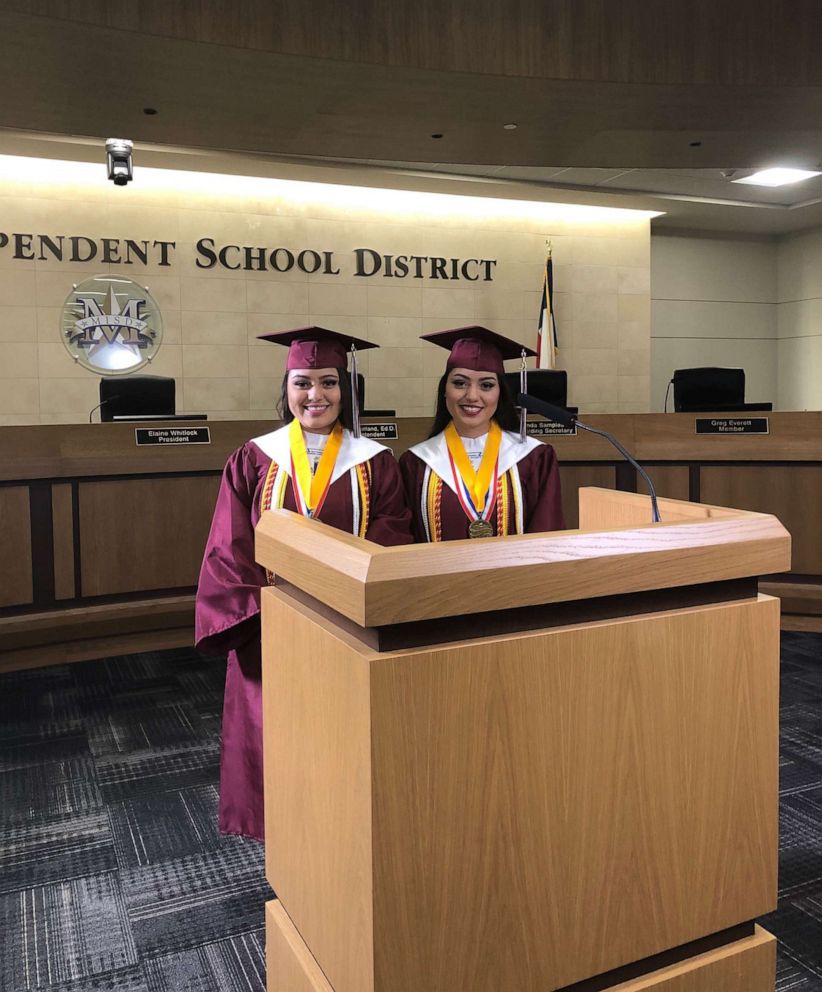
column 107, row 400
column 562, row 416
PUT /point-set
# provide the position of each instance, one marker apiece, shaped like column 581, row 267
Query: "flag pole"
column 355, row 395
column 523, row 388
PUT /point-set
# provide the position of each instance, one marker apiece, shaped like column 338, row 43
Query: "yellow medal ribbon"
column 313, row 486
column 477, row 483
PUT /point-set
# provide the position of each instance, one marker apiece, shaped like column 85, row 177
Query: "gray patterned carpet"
column 113, row 877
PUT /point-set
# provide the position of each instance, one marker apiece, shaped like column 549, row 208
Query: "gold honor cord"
column 313, row 487
column 477, row 483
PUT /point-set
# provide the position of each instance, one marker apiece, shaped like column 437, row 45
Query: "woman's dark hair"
column 346, row 417
column 506, row 413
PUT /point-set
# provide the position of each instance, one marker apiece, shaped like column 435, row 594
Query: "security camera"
column 118, row 160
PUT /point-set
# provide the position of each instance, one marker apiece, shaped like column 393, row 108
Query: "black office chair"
column 548, row 385
column 137, row 396
column 712, row 389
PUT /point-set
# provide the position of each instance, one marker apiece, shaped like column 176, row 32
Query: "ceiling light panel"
column 777, row 177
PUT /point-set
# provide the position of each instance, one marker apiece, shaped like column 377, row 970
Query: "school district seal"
column 111, row 325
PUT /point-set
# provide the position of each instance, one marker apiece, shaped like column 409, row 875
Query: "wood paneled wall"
column 141, row 534
column 15, row 546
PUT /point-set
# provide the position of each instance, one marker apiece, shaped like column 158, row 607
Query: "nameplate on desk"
column 380, row 432
column 549, row 428
column 732, row 425
column 172, row 435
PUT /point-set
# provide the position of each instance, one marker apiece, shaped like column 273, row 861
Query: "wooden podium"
column 524, row 764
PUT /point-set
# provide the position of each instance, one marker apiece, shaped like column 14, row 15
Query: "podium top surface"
column 616, row 551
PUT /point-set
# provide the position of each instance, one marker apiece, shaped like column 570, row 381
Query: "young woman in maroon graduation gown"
column 314, row 465
column 476, row 476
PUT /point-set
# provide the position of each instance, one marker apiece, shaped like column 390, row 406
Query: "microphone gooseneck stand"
column 562, row 416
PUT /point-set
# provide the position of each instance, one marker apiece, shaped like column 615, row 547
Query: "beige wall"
column 714, row 302
column 799, row 326
column 212, row 317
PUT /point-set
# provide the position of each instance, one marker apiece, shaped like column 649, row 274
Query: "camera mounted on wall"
column 118, row 160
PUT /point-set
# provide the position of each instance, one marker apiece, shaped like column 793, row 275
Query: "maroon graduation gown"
column 438, row 515
column 228, row 607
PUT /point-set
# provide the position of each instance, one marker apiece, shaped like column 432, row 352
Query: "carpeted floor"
column 113, row 877
column 112, row 873
column 798, row 921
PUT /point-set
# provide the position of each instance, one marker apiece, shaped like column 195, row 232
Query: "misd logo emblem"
column 111, row 325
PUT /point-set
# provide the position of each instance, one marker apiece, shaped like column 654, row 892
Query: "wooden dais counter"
column 101, row 539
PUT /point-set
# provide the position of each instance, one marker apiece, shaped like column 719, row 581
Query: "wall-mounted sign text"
column 361, row 262
column 367, row 262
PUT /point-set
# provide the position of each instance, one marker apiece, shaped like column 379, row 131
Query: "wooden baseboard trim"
column 802, row 598
column 85, row 633
column 810, row 624
column 90, row 649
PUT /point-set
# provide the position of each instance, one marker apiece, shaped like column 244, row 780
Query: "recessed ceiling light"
column 777, row 177
column 510, row 127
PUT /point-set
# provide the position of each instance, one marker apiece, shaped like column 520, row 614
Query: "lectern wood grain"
column 289, row 964
column 317, row 742
column 604, row 509
column 617, row 782
column 747, row 965
column 573, row 477
column 373, row 585
column 544, row 806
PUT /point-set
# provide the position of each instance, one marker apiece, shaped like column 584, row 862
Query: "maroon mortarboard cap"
column 316, row 347
column 477, row 348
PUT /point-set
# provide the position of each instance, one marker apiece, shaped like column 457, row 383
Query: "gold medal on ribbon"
column 480, row 528
column 311, row 488
column 476, row 483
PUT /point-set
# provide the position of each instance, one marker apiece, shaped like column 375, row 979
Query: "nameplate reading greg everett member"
column 172, row 435
column 732, row 425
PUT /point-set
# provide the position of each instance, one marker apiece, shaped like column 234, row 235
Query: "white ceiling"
column 690, row 199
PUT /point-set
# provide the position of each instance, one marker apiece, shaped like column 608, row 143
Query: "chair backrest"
column 708, row 388
column 137, row 395
column 548, row 385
